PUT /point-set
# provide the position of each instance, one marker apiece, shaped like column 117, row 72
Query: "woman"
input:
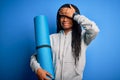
column 68, row 45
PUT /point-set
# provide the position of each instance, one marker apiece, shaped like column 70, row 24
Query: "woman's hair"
column 76, row 32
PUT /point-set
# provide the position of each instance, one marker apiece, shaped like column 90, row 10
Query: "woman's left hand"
column 67, row 11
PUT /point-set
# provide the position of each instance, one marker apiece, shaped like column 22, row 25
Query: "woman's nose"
column 65, row 18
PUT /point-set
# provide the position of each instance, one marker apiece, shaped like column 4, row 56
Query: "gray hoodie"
column 64, row 63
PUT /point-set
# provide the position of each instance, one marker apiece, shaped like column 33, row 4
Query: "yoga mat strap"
column 43, row 46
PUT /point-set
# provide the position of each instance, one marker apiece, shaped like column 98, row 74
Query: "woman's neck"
column 66, row 31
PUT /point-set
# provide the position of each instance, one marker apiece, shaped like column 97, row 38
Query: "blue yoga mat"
column 44, row 54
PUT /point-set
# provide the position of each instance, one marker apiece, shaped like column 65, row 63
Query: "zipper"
column 62, row 59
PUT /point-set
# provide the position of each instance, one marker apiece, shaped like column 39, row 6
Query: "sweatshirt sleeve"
column 91, row 29
column 33, row 61
column 34, row 64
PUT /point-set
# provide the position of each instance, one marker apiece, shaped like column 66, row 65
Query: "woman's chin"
column 67, row 27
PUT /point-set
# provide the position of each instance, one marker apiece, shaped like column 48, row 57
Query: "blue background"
column 17, row 40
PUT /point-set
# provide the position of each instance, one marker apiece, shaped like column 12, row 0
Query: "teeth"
column 65, row 23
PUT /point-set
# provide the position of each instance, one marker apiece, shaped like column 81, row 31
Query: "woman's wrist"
column 74, row 14
column 38, row 71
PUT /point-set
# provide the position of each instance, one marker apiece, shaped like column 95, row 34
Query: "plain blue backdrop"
column 17, row 40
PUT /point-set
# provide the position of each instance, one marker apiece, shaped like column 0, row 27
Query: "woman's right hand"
column 42, row 74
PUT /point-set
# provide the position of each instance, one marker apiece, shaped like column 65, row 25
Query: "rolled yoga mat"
column 43, row 48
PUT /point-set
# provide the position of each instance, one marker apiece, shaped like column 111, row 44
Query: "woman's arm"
column 37, row 68
column 91, row 30
column 34, row 64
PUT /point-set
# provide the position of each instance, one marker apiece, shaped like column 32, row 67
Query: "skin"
column 66, row 18
column 42, row 74
column 66, row 23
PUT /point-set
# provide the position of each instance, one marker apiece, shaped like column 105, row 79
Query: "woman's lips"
column 65, row 23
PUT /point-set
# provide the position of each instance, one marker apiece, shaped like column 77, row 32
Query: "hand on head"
column 65, row 11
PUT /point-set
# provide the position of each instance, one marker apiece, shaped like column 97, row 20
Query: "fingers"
column 42, row 75
column 46, row 78
column 67, row 11
column 63, row 11
column 48, row 74
column 71, row 6
column 73, row 10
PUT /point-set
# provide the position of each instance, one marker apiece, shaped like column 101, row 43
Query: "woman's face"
column 65, row 22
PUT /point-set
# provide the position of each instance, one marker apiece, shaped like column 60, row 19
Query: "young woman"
column 74, row 34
